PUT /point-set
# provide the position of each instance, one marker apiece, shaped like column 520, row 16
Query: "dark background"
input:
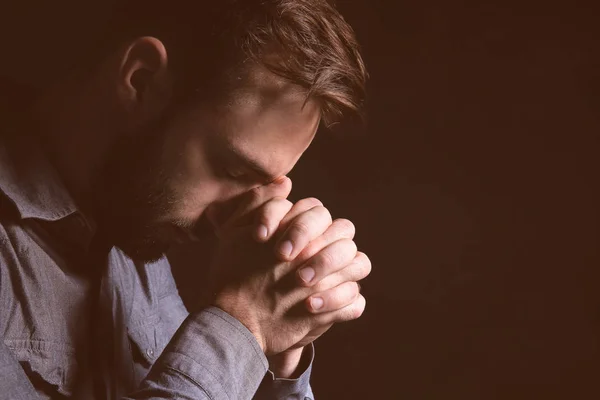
column 474, row 192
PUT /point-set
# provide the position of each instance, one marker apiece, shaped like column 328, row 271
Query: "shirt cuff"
column 290, row 389
column 219, row 354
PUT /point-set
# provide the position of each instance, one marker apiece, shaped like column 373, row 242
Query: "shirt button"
column 150, row 353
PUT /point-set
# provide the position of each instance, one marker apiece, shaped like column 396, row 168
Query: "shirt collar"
column 29, row 181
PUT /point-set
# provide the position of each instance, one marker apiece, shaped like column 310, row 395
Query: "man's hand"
column 290, row 297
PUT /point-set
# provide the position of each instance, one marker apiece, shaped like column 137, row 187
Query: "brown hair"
column 305, row 41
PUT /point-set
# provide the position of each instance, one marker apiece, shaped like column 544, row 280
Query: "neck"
column 73, row 136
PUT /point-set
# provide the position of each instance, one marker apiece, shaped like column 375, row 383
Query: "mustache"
column 210, row 221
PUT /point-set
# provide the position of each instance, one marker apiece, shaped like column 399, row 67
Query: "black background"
column 474, row 192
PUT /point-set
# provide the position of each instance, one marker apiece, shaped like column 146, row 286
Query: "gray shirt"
column 123, row 333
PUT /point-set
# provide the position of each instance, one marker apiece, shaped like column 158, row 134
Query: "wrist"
column 287, row 364
column 233, row 309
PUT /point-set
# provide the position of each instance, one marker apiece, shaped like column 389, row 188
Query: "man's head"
column 205, row 100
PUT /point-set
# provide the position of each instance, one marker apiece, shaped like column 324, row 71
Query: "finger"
column 301, row 231
column 348, row 313
column 255, row 198
column 298, row 208
column 328, row 261
column 333, row 299
column 340, row 229
column 312, row 335
column 356, row 271
column 270, row 216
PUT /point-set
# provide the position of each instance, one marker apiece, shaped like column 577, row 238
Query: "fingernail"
column 316, row 303
column 262, row 232
column 286, row 248
column 307, row 274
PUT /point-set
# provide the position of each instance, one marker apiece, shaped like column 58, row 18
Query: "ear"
column 145, row 85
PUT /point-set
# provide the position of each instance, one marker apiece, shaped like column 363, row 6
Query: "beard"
column 134, row 200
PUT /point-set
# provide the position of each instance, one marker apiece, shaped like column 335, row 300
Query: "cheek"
column 190, row 179
column 193, row 178
column 195, row 199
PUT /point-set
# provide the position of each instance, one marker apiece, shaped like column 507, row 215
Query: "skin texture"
column 150, row 171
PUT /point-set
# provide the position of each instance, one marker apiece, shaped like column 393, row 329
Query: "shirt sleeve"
column 273, row 388
column 214, row 356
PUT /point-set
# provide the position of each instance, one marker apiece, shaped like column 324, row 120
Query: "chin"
column 153, row 243
column 145, row 247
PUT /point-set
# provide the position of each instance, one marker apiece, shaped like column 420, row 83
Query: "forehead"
column 268, row 119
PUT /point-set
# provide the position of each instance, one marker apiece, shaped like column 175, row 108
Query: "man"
column 185, row 113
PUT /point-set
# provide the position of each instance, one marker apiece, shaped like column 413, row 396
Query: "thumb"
column 239, row 211
column 255, row 198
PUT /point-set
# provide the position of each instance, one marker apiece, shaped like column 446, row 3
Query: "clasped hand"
column 287, row 271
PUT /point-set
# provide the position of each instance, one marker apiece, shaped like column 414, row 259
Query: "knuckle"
column 323, row 213
column 345, row 250
column 285, row 203
column 344, row 295
column 368, row 269
column 365, row 264
column 275, row 203
column 354, row 290
column 357, row 308
column 356, row 312
column 362, row 304
column 272, row 208
column 281, row 201
column 346, row 226
column 265, row 216
column 353, row 273
column 327, row 259
column 363, row 272
column 309, row 202
column 320, row 287
column 311, row 249
column 350, row 247
column 299, row 229
column 286, row 182
column 264, row 219
column 335, row 298
column 353, row 313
